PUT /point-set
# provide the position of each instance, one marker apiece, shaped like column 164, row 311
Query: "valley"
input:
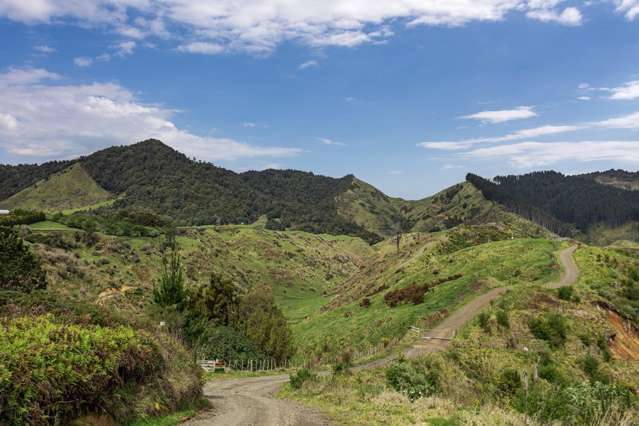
column 122, row 252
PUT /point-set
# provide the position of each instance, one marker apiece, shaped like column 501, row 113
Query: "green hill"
column 69, row 189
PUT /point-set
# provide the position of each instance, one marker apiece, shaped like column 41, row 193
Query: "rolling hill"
column 153, row 177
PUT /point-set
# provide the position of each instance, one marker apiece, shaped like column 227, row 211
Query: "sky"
column 408, row 95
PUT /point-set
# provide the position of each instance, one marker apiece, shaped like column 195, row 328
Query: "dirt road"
column 460, row 317
column 250, row 402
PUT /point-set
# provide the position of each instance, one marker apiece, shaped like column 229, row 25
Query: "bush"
column 22, row 217
column 226, row 343
column 414, row 294
column 413, row 382
column 169, row 289
column 19, row 268
column 565, row 293
column 343, row 363
column 483, row 319
column 302, row 376
column 502, row 318
column 510, row 381
column 53, row 373
column 550, row 327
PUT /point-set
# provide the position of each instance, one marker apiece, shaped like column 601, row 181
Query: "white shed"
column 4, row 212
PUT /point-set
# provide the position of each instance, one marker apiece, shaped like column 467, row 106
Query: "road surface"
column 252, row 402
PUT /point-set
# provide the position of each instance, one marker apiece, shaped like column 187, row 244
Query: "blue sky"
column 409, row 95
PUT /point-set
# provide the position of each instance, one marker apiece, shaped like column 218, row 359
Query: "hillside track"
column 252, row 402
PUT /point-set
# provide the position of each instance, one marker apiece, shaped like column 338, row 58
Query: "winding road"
column 252, row 401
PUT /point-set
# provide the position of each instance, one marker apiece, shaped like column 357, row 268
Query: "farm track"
column 252, row 402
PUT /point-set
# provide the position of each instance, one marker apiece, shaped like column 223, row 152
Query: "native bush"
column 226, row 343
column 19, row 268
column 52, row 372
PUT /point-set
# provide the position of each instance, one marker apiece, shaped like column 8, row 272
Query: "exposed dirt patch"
column 625, row 344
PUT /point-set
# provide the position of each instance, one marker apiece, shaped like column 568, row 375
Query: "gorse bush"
column 52, row 372
column 22, row 217
column 412, row 381
column 565, row 293
column 19, row 268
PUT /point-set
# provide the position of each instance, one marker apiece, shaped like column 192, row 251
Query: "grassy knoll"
column 70, row 189
column 351, row 324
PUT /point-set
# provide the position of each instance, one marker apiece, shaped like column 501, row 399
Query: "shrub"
column 550, row 327
column 502, row 318
column 226, row 343
column 343, row 363
column 414, row 294
column 302, row 376
column 483, row 319
column 22, row 217
column 565, row 293
column 413, row 382
column 19, row 268
column 365, row 302
column 169, row 289
column 52, row 373
column 509, row 381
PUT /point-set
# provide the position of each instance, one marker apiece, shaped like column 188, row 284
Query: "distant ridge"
column 151, row 175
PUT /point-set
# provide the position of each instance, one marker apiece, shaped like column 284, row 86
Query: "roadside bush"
column 52, row 372
column 19, row 268
column 413, row 382
column 303, row 375
column 589, row 403
column 343, row 363
column 550, row 327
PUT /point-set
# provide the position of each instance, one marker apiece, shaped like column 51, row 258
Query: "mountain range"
column 152, row 176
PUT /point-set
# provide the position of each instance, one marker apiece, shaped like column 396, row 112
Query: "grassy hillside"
column 467, row 262
column 71, row 188
column 536, row 357
column 120, row 272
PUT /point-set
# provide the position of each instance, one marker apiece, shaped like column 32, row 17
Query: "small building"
column 4, row 212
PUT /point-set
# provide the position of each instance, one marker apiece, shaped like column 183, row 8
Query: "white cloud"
column 249, row 125
column 627, row 92
column 538, row 154
column 309, row 64
column 82, row 62
column 43, row 48
column 202, row 47
column 570, row 16
column 43, row 119
column 630, row 121
column 534, row 132
column 125, row 48
column 350, row 99
column 584, row 98
column 630, row 8
column 501, row 116
column 261, row 25
column 584, row 86
column 326, row 141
